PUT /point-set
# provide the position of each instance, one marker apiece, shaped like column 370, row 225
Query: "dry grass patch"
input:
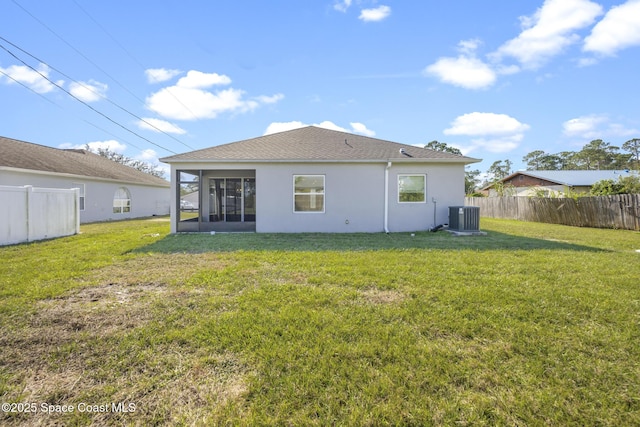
column 96, row 345
column 96, row 311
column 177, row 385
column 172, row 384
column 382, row 296
column 157, row 269
column 100, row 310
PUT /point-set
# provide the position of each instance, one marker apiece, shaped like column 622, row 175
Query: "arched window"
column 122, row 201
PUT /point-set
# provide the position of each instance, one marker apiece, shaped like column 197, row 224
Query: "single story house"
column 313, row 179
column 108, row 190
column 555, row 182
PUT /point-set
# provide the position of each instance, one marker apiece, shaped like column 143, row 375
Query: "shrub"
column 624, row 185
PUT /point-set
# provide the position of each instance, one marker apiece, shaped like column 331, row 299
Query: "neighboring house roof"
column 570, row 178
column 316, row 144
column 25, row 155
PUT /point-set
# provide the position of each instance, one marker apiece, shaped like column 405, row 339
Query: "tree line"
column 596, row 155
column 140, row 165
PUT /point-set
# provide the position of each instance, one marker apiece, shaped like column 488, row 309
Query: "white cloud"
column 619, row 29
column 544, row 35
column 111, row 145
column 158, row 75
column 497, row 133
column 586, row 62
column 269, row 99
column 158, row 125
column 332, row 126
column 30, row 78
column 362, row 129
column 549, row 31
column 195, row 104
column 469, row 47
column 596, row 126
column 507, row 69
column 149, row 155
column 584, row 126
column 485, row 124
column 90, row 91
column 188, row 99
column 342, row 6
column 464, row 71
column 199, row 80
column 284, row 126
column 494, row 145
column 375, row 15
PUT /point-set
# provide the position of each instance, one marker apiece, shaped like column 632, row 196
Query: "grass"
column 533, row 324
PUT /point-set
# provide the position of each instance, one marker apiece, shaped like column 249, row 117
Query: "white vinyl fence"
column 28, row 213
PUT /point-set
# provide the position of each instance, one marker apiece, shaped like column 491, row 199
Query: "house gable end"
column 522, row 180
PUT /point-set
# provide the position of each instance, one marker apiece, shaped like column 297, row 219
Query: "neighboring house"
column 315, row 180
column 108, row 190
column 552, row 183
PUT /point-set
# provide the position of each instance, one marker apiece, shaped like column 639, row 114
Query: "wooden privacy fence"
column 620, row 211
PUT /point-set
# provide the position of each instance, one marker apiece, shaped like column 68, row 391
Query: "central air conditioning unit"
column 464, row 218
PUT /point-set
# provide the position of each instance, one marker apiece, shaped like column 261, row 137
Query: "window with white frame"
column 122, row 201
column 412, row 188
column 308, row 193
column 81, row 187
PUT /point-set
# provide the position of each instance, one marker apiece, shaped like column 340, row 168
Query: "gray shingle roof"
column 25, row 155
column 574, row 178
column 316, row 144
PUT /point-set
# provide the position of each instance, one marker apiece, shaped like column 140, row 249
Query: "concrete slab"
column 467, row 233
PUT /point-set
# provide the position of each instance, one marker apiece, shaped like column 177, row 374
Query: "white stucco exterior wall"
column 354, row 195
column 445, row 184
column 354, row 198
column 146, row 200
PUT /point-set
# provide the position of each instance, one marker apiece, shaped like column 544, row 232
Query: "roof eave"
column 465, row 160
column 84, row 177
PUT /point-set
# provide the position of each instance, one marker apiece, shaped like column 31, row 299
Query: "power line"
column 99, row 68
column 97, row 93
column 83, row 102
column 142, row 67
column 108, row 34
column 76, row 50
column 25, row 86
column 112, row 134
column 62, row 108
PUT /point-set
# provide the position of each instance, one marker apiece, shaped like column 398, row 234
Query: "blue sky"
column 497, row 79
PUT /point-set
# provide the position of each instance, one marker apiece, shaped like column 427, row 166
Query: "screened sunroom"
column 216, row 200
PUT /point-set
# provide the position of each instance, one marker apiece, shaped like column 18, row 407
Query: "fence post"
column 76, row 210
column 29, row 203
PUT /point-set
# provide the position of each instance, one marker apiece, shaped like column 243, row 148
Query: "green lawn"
column 533, row 324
